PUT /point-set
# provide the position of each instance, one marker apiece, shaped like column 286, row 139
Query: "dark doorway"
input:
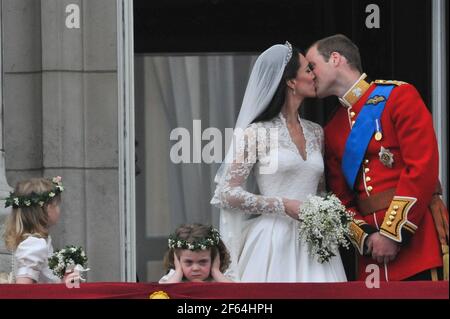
column 399, row 49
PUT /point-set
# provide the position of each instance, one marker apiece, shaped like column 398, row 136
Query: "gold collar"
column 355, row 92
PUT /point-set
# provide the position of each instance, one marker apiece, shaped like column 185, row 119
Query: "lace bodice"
column 292, row 178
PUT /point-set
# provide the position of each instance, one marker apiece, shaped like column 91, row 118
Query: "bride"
column 260, row 227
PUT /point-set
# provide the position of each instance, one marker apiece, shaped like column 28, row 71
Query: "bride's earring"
column 293, row 91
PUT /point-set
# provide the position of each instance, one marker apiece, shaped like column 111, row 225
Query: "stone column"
column 61, row 117
column 80, row 125
column 20, row 77
column 4, row 187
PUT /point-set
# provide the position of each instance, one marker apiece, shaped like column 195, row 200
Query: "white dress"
column 31, row 260
column 269, row 249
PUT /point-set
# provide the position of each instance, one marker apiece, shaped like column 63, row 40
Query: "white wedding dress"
column 268, row 246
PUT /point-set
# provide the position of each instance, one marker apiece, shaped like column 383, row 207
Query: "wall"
column 60, row 117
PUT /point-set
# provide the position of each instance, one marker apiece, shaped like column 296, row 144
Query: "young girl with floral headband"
column 35, row 208
column 196, row 253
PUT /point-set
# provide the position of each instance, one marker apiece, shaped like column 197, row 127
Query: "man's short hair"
column 343, row 45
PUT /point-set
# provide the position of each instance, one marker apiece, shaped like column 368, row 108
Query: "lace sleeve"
column 231, row 193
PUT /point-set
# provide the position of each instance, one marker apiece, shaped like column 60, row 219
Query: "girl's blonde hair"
column 32, row 220
column 193, row 233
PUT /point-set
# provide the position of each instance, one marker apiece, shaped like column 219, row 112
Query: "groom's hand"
column 383, row 249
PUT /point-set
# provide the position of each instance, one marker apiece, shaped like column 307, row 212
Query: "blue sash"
column 362, row 131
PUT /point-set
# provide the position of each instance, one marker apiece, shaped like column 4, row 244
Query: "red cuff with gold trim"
column 396, row 225
column 360, row 230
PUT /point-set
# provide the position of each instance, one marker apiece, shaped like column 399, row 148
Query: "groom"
column 382, row 162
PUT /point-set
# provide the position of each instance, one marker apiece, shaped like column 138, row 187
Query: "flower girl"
column 196, row 253
column 35, row 208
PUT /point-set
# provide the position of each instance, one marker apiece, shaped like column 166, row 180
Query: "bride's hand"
column 292, row 207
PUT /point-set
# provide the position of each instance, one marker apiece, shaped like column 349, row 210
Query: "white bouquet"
column 67, row 259
column 324, row 225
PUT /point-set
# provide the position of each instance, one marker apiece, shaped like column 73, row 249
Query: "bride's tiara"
column 289, row 55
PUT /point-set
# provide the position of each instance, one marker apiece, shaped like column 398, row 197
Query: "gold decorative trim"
column 355, row 92
column 376, row 99
column 357, row 235
column 410, row 226
column 396, row 218
column 388, row 82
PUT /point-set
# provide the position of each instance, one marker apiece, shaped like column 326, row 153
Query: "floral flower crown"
column 204, row 243
column 17, row 201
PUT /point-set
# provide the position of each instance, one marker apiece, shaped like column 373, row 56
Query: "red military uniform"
column 395, row 182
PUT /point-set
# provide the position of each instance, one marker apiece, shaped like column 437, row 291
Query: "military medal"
column 386, row 157
column 378, row 134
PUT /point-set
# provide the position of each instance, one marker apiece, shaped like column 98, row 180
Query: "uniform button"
column 393, row 213
column 395, row 207
column 353, row 122
column 391, row 217
column 389, row 223
column 366, row 170
column 366, row 161
column 352, row 114
column 369, row 188
column 368, row 179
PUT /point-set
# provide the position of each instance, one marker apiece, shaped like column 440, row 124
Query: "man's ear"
column 335, row 58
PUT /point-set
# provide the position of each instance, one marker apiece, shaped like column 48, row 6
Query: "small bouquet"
column 324, row 225
column 67, row 259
